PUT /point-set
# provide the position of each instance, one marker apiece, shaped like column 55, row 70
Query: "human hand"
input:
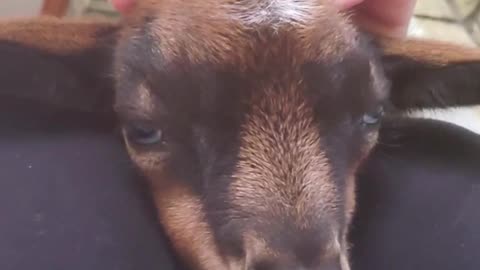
column 385, row 17
column 123, row 6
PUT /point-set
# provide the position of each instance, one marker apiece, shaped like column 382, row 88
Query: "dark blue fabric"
column 69, row 198
column 418, row 200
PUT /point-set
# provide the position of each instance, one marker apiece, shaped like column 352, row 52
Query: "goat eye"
column 373, row 118
column 143, row 134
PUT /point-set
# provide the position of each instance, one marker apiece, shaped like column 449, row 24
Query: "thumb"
column 123, row 6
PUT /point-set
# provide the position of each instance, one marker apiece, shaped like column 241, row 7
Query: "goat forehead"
column 225, row 31
column 246, row 12
column 274, row 12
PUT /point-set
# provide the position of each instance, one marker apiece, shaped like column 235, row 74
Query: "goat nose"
column 265, row 267
column 275, row 265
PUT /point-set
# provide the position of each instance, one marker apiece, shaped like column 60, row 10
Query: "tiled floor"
column 15, row 8
column 435, row 19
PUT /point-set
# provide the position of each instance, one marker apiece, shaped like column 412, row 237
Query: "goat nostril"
column 276, row 265
column 262, row 265
column 271, row 265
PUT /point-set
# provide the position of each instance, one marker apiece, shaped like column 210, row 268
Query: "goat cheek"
column 149, row 162
column 181, row 212
column 371, row 141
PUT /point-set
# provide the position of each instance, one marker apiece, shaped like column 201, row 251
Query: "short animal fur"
column 248, row 118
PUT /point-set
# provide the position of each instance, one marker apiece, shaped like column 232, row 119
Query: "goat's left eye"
column 143, row 134
column 373, row 118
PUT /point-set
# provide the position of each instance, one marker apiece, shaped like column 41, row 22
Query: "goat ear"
column 59, row 62
column 431, row 74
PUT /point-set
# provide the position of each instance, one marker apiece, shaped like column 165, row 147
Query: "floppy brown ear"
column 431, row 74
column 60, row 62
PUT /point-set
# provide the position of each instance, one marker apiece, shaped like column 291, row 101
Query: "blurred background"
column 447, row 20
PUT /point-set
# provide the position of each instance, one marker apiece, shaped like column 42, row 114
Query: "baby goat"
column 249, row 118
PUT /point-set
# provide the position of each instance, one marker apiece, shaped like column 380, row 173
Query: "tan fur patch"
column 183, row 218
column 151, row 161
column 54, row 35
column 282, row 170
column 350, row 198
column 429, row 51
column 144, row 101
column 225, row 35
column 256, row 248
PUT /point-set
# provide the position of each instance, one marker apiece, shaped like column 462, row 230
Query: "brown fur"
column 184, row 221
column 219, row 39
column 268, row 153
column 55, row 35
column 281, row 194
column 180, row 211
column 262, row 186
column 430, row 51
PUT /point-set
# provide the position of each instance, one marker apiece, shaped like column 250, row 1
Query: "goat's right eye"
column 373, row 118
column 142, row 134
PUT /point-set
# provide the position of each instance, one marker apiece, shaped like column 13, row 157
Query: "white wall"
column 20, row 8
